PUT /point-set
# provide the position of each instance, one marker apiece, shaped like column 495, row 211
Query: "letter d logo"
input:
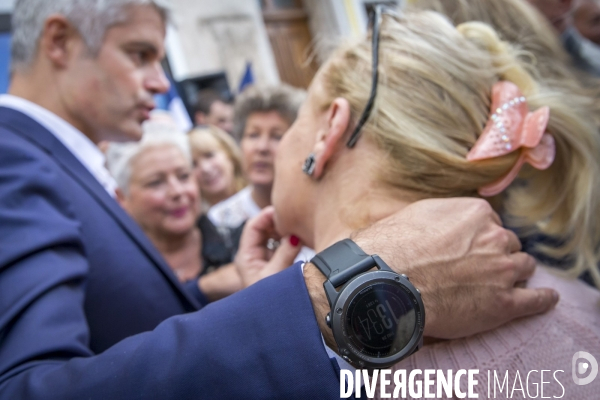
column 580, row 368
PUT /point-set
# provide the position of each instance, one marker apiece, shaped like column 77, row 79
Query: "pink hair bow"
column 512, row 127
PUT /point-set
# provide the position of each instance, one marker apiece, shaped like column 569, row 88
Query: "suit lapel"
column 41, row 137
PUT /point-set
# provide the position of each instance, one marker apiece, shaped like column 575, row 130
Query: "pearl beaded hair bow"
column 512, row 127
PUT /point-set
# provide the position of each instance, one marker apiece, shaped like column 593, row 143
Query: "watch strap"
column 338, row 257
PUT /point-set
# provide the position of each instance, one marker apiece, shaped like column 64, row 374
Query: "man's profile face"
column 556, row 11
column 109, row 95
column 221, row 115
column 587, row 20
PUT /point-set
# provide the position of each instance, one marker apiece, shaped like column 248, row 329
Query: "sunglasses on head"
column 376, row 17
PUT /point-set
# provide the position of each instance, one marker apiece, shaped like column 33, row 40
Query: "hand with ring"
column 262, row 251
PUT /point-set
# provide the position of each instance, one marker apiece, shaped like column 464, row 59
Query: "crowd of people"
column 174, row 264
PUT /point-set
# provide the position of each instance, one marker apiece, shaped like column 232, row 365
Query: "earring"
column 309, row 164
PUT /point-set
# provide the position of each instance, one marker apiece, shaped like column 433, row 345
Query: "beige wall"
column 328, row 24
column 216, row 35
column 6, row 5
column 332, row 21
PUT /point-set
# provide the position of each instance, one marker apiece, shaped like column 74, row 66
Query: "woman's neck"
column 346, row 211
column 182, row 252
column 348, row 199
column 261, row 194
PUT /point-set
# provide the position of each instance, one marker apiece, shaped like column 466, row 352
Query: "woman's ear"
column 333, row 135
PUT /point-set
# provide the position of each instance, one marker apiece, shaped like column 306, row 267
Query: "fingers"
column 285, row 254
column 479, row 206
column 512, row 240
column 263, row 221
column 496, row 217
column 514, row 244
column 524, row 266
column 258, row 229
column 533, row 301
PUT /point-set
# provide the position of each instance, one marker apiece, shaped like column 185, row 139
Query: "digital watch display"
column 377, row 316
column 380, row 320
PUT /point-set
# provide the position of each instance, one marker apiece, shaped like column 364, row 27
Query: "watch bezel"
column 343, row 301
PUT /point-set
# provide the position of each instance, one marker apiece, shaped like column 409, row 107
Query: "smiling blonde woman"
column 217, row 164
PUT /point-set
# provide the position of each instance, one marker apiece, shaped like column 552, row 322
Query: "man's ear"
column 58, row 39
column 332, row 136
column 121, row 199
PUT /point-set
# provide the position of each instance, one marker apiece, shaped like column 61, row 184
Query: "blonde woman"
column 454, row 113
column 217, row 164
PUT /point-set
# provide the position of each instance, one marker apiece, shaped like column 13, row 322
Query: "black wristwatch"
column 377, row 317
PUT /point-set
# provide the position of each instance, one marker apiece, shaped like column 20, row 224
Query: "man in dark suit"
column 89, row 309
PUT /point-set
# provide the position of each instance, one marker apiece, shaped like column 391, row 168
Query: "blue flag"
column 247, row 79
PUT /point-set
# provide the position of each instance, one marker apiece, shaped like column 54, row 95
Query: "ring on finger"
column 272, row 244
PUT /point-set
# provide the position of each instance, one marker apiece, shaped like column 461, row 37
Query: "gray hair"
column 92, row 18
column 283, row 99
column 158, row 131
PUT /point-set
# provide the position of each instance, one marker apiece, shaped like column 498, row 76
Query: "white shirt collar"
column 80, row 145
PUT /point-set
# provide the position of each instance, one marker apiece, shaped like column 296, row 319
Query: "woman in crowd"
column 455, row 114
column 217, row 164
column 262, row 116
column 156, row 186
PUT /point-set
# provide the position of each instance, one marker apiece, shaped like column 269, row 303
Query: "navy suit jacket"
column 90, row 310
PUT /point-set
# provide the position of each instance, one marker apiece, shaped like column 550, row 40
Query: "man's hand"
column 254, row 260
column 456, row 253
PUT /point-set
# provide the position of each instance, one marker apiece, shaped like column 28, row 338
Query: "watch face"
column 380, row 320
